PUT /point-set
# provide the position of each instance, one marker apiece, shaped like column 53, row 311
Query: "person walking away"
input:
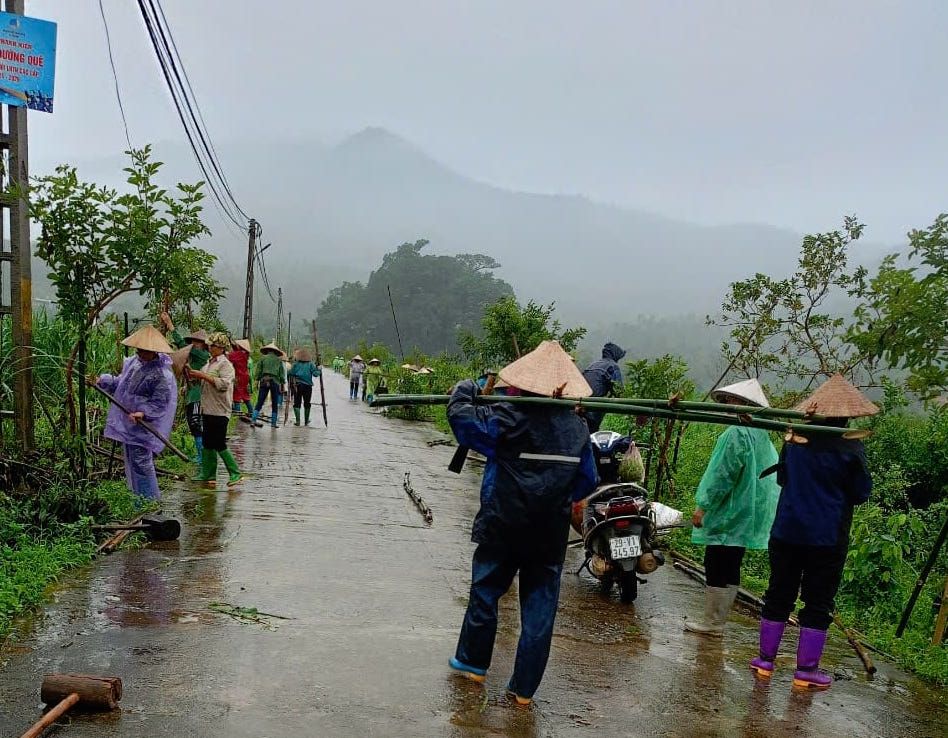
column 822, row 478
column 735, row 507
column 239, row 357
column 216, row 380
column 373, row 378
column 356, row 368
column 197, row 358
column 539, row 459
column 605, row 378
column 302, row 374
column 271, row 378
column 146, row 387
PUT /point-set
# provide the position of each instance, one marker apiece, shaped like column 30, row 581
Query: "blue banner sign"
column 27, row 62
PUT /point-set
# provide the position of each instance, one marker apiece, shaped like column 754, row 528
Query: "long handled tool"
column 65, row 691
column 154, row 527
column 319, row 364
column 143, row 423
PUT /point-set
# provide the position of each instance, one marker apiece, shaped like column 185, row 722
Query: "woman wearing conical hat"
column 822, row 478
column 539, row 460
column 271, row 380
column 145, row 386
column 734, row 507
column 197, row 353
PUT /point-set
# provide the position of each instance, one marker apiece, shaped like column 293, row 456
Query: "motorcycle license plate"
column 627, row 547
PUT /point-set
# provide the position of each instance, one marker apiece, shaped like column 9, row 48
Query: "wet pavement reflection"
column 322, row 534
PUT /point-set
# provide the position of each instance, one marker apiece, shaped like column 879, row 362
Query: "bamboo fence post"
column 942, row 618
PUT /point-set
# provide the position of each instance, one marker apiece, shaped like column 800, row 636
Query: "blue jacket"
column 605, row 376
column 822, row 481
column 539, row 460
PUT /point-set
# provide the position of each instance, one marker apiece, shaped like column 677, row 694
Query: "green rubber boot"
column 306, row 414
column 231, row 463
column 296, row 413
column 208, row 473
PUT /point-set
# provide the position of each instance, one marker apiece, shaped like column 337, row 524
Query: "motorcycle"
column 619, row 525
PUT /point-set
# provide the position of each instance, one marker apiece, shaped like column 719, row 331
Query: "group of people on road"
column 798, row 505
column 366, row 377
column 218, row 375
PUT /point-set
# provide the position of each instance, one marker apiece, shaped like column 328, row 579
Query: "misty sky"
column 789, row 113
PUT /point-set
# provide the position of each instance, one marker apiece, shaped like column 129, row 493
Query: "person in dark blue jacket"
column 539, row 460
column 822, row 479
column 605, row 379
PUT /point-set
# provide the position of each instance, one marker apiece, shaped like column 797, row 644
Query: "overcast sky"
column 789, row 113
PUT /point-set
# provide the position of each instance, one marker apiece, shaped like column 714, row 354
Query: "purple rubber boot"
column 808, row 674
column 771, row 632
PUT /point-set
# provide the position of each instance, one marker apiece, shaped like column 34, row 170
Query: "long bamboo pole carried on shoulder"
column 718, row 414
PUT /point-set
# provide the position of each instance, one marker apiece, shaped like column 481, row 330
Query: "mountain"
column 331, row 212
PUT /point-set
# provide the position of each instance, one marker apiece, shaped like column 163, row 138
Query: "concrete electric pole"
column 248, row 291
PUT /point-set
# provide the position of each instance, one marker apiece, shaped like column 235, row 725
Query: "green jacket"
column 272, row 365
column 373, row 378
column 196, row 360
column 739, row 506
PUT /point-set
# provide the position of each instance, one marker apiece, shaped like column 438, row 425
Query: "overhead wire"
column 118, row 94
column 166, row 62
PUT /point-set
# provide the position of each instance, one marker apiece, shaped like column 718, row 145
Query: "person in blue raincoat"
column 822, row 479
column 605, row 379
column 146, row 387
column 734, row 507
column 539, row 460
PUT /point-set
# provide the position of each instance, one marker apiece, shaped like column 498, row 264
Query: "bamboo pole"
column 733, row 415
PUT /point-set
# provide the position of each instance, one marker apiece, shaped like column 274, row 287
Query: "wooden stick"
column 143, row 423
column 942, row 618
column 857, row 647
column 52, row 716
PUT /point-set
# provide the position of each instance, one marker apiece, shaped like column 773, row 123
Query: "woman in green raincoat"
column 735, row 508
column 373, row 378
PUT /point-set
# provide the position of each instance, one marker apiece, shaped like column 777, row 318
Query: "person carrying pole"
column 146, row 387
column 823, row 477
column 735, row 508
column 539, row 459
column 302, row 374
column 216, row 379
column 373, row 378
column 605, row 378
column 197, row 358
column 271, row 380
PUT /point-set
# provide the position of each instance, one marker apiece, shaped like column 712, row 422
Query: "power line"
column 118, row 94
column 192, row 129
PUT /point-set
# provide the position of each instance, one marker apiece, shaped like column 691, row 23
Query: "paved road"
column 323, row 534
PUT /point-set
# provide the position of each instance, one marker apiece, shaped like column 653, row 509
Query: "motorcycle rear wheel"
column 605, row 584
column 628, row 587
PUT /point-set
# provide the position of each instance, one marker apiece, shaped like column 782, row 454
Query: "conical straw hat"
column 244, row 344
column 302, row 354
column 179, row 360
column 148, row 338
column 749, row 390
column 273, row 349
column 547, row 370
column 837, row 398
column 200, row 335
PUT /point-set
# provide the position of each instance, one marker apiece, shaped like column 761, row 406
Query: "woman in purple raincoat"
column 147, row 387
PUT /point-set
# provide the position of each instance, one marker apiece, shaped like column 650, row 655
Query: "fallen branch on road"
column 416, row 498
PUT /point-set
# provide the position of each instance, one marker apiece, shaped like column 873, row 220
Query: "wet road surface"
column 322, row 533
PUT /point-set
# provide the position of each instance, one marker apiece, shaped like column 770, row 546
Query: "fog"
column 672, row 123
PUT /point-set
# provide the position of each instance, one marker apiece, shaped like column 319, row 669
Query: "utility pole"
column 248, row 291
column 279, row 335
column 15, row 263
column 289, row 329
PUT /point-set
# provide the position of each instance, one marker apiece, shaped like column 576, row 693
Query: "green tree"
column 790, row 327
column 903, row 318
column 509, row 330
column 100, row 244
column 435, row 297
